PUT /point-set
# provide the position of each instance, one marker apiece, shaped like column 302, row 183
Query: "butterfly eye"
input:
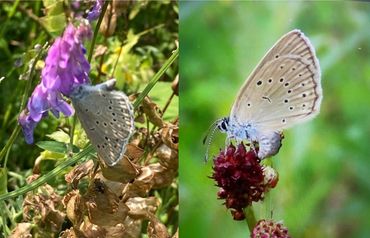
column 223, row 125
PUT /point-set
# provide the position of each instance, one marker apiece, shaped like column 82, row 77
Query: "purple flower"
column 66, row 65
column 37, row 104
column 28, row 125
column 65, row 68
column 95, row 11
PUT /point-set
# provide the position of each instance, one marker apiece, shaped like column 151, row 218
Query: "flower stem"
column 96, row 30
column 168, row 103
column 71, row 135
column 250, row 218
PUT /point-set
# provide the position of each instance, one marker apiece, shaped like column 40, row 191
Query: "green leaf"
column 54, row 24
column 59, row 136
column 3, row 180
column 55, row 146
column 55, row 20
column 53, row 7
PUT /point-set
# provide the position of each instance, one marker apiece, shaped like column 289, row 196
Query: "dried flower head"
column 241, row 178
column 43, row 209
column 269, row 229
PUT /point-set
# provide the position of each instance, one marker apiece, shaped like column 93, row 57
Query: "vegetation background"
column 324, row 187
column 138, row 43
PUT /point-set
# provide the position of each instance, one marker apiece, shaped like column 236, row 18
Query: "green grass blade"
column 52, row 174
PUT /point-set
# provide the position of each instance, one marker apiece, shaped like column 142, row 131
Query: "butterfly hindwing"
column 107, row 117
column 284, row 88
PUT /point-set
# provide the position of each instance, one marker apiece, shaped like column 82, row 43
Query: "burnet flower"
column 65, row 68
column 241, row 178
column 269, row 229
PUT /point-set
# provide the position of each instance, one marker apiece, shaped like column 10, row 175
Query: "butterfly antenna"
column 211, row 128
column 208, row 138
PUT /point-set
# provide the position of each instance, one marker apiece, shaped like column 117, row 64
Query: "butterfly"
column 107, row 117
column 282, row 91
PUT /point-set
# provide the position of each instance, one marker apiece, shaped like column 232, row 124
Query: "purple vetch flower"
column 95, row 11
column 28, row 125
column 66, row 65
column 37, row 104
column 65, row 68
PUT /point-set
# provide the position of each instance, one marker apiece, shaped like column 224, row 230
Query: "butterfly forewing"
column 107, row 117
column 284, row 88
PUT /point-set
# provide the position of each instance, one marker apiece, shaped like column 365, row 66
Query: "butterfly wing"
column 284, row 89
column 107, row 117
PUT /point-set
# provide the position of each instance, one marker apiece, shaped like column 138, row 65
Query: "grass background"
column 324, row 187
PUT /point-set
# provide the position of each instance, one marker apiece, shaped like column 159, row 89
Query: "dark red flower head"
column 269, row 229
column 241, row 179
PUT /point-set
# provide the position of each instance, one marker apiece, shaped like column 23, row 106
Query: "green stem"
column 168, row 103
column 10, row 142
column 23, row 103
column 96, row 30
column 71, row 134
column 250, row 218
column 45, row 178
column 156, row 77
column 4, row 220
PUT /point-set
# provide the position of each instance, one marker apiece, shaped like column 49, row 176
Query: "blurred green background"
column 324, row 165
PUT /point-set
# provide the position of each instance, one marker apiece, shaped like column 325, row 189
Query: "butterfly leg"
column 227, row 143
column 252, row 147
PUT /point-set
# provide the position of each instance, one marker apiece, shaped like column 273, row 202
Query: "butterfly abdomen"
column 269, row 144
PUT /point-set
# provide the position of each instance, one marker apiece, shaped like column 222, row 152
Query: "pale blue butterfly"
column 107, row 117
column 282, row 91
